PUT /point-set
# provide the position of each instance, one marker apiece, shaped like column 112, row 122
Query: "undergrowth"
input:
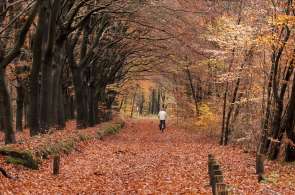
column 32, row 158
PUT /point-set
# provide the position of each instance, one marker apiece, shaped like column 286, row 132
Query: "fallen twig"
column 3, row 171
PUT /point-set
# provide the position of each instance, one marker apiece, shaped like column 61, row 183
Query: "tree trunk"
column 6, row 111
column 153, row 102
column 227, row 118
column 34, row 80
column 190, row 79
column 67, row 106
column 100, row 102
column 276, row 125
column 1, row 120
column 141, row 106
column 27, row 111
column 72, row 107
column 80, row 104
column 121, row 103
column 264, row 143
column 288, row 126
column 57, row 92
column 221, row 142
column 225, row 96
column 132, row 106
column 47, row 79
column 20, row 108
column 61, row 123
column 229, row 114
column 277, row 133
column 91, row 106
column 158, row 101
column 96, row 110
column 4, row 61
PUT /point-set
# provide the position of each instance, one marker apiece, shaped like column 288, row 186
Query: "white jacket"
column 162, row 115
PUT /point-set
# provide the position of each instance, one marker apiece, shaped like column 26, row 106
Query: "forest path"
column 138, row 160
column 141, row 160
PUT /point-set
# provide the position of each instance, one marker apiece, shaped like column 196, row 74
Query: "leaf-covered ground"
column 142, row 160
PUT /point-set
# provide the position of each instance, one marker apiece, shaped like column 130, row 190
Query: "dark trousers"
column 162, row 125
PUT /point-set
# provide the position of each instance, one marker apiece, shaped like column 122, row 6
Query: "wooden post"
column 216, row 175
column 221, row 189
column 215, row 166
column 260, row 166
column 56, row 165
column 210, row 161
column 218, row 178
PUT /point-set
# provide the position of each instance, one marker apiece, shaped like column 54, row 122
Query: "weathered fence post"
column 56, row 165
column 210, row 161
column 260, row 166
column 221, row 189
column 216, row 177
column 214, row 167
column 216, row 172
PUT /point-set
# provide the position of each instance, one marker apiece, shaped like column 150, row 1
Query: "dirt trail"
column 138, row 160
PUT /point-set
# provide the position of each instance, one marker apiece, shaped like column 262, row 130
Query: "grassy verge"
column 32, row 156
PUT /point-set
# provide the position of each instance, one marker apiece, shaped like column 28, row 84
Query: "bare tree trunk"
column 288, row 126
column 159, row 101
column 122, row 102
column 190, row 79
column 36, row 66
column 20, row 107
column 27, row 111
column 91, row 106
column 1, row 120
column 229, row 113
column 227, row 129
column 133, row 103
column 264, row 143
column 47, row 79
column 57, row 108
column 4, row 61
column 221, row 142
column 225, row 97
column 6, row 111
column 80, row 103
column 141, row 106
column 61, row 123
column 274, row 147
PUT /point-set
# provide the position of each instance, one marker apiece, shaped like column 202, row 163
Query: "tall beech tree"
column 5, row 59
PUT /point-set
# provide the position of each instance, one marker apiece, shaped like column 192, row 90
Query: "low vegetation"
column 32, row 157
